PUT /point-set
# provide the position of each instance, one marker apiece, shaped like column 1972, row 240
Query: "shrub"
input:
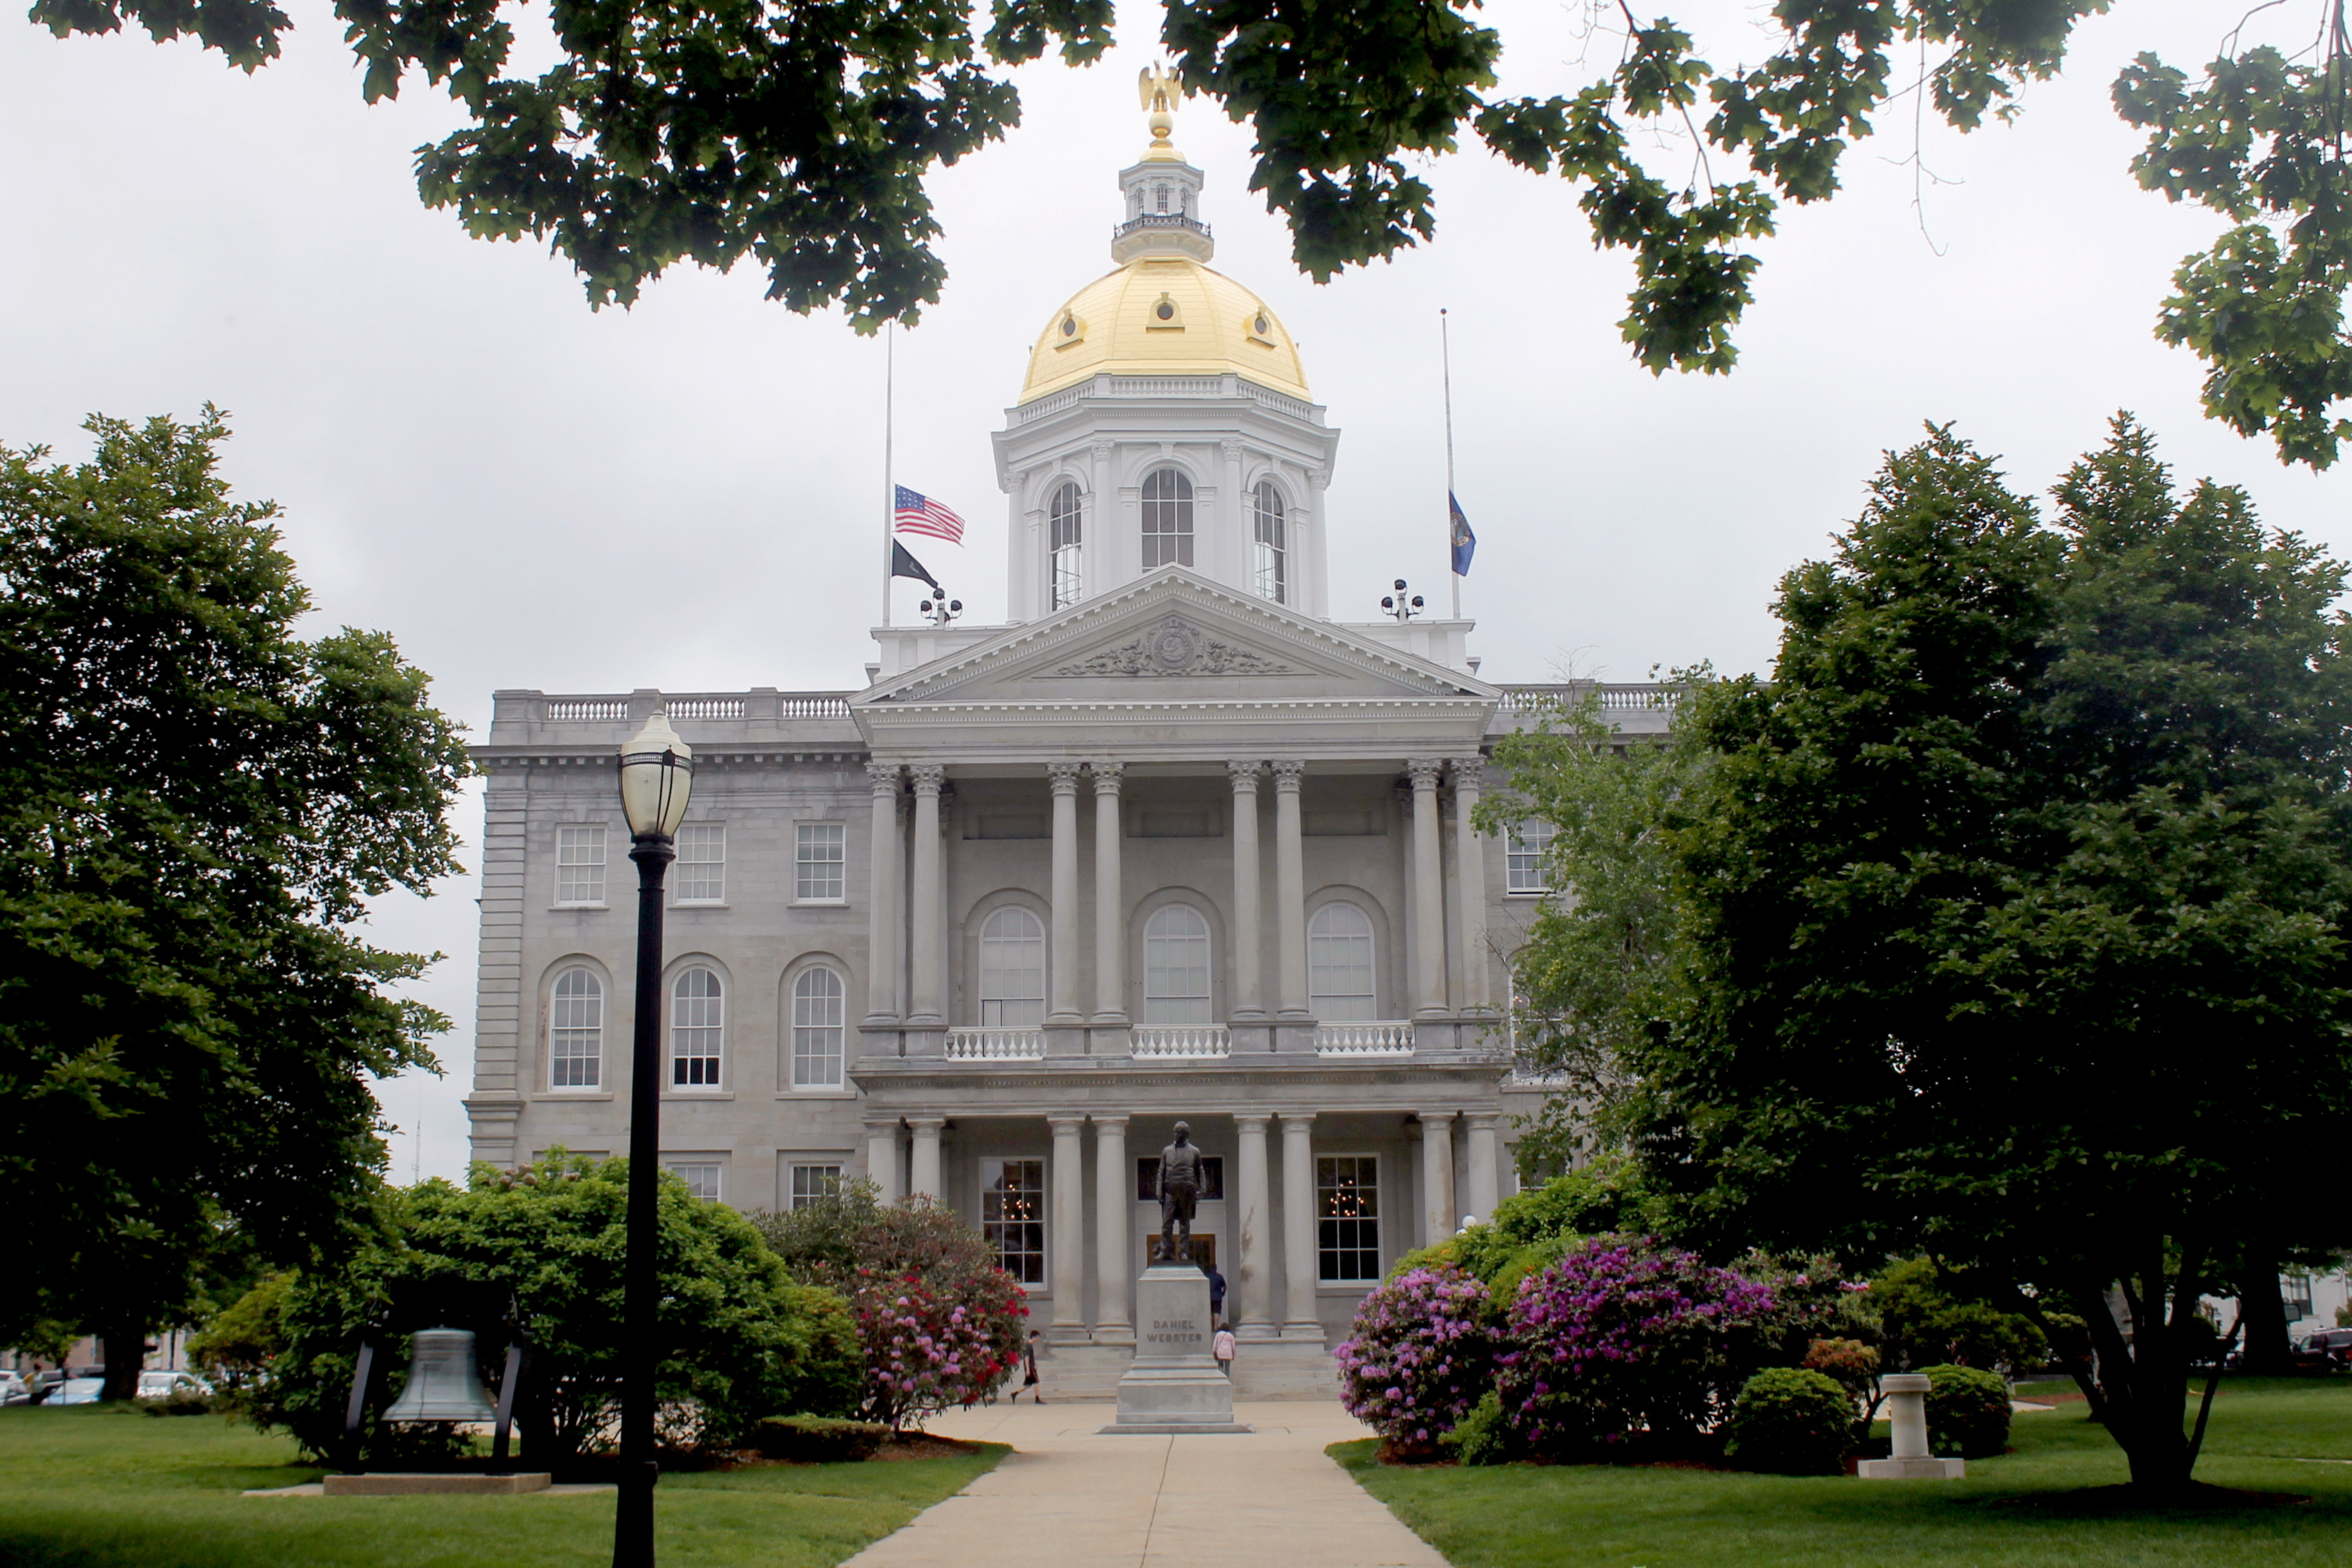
column 239, row 1342
column 1849, row 1363
column 1621, row 1337
column 937, row 1321
column 1812, row 1300
column 1968, row 1412
column 1418, row 1356
column 1789, row 1422
column 1931, row 1315
column 818, row 1439
column 1483, row 1436
column 179, row 1402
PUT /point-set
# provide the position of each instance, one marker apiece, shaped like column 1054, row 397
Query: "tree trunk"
column 2145, row 1387
column 122, row 1341
column 2262, row 1310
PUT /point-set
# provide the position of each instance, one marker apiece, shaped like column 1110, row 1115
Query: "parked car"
column 2327, row 1348
column 14, row 1390
column 77, row 1391
column 163, row 1385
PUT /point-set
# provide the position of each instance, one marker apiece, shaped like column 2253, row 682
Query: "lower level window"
column 1013, row 1216
column 810, row 1183
column 1347, row 1218
column 700, row 1176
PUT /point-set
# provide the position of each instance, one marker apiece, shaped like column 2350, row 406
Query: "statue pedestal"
column 1174, row 1385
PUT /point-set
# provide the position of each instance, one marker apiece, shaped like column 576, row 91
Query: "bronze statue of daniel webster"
column 1180, row 1190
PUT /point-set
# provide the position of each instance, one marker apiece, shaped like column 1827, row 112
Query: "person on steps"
column 1222, row 1347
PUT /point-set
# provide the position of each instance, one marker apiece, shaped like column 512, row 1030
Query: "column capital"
column 1287, row 770
column 1298, row 1117
column 1102, row 450
column 1107, row 774
column 1104, row 1123
column 927, row 1123
column 1435, row 1118
column 1469, row 772
column 1482, row 1120
column 1230, row 449
column 928, row 776
column 880, row 1124
column 1070, row 1121
column 883, row 776
column 1064, row 776
column 1253, row 1121
column 1243, row 771
column 1425, row 771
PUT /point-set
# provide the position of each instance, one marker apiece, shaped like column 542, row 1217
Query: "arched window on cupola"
column 1167, row 519
column 1273, row 547
column 1067, row 519
column 1163, row 198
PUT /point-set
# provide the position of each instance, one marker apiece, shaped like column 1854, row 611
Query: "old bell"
column 445, row 1384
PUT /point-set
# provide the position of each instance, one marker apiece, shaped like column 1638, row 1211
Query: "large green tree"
column 2014, row 909
column 798, row 133
column 196, row 803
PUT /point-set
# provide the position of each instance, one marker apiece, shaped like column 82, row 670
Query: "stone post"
column 928, row 921
column 1066, row 1229
column 1437, row 1177
column 1428, row 896
column 1254, row 1278
column 1470, row 891
column 923, row 1177
column 1299, row 1320
column 1062, row 961
column 1906, row 1421
column 1485, row 1181
column 1110, row 903
column 1290, row 888
column 1115, row 1262
column 882, row 917
column 1249, row 953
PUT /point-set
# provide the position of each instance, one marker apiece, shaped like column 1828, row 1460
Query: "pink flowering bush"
column 1623, row 1341
column 1418, row 1355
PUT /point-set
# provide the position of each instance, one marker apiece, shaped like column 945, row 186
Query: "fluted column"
column 882, row 915
column 923, row 1175
column 1254, row 1281
column 927, row 917
column 1110, row 903
column 1428, row 895
column 1065, row 1228
column 1114, row 1229
column 1249, row 952
column 882, row 1156
column 1486, row 1180
column 1062, row 962
column 1470, row 891
column 1298, row 1228
column 1290, row 887
column 1437, row 1177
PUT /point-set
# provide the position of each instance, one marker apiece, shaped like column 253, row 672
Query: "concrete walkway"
column 1070, row 1498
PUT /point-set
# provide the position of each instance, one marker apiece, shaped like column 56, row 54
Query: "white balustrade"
column 1207, row 1041
column 1374, row 1039
column 571, row 709
column 996, row 1044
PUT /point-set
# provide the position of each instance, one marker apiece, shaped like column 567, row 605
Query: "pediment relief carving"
column 1175, row 647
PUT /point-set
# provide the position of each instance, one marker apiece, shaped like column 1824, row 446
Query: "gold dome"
column 1164, row 314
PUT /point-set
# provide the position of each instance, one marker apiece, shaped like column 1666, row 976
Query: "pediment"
column 1175, row 637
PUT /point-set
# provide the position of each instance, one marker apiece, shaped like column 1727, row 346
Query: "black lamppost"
column 656, row 776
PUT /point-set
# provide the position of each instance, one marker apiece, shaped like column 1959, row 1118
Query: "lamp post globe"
column 657, row 775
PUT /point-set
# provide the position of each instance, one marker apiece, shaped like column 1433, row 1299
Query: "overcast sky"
column 687, row 495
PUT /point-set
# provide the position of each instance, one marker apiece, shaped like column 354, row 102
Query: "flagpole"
column 1445, row 353
column 889, row 483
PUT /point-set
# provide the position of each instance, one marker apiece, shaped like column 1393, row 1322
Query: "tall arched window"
column 575, row 1031
column 1176, row 967
column 1012, row 969
column 1339, row 965
column 816, row 1029
column 1068, row 520
column 698, row 1028
column 1167, row 519
column 1272, row 558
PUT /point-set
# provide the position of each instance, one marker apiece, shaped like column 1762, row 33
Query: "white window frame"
column 1270, row 556
column 1318, row 942
column 992, row 1171
column 809, row 1027
column 698, row 1174
column 703, row 837
column 1003, row 1010
column 711, row 1021
column 1163, row 1016
column 1321, row 1219
column 808, row 836
column 1524, row 849
column 835, row 1171
column 561, row 1023
column 586, row 891
column 1174, row 511
column 1067, row 559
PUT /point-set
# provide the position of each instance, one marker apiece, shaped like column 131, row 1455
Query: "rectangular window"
column 1524, row 849
column 810, row 1183
column 580, row 862
column 701, row 869
column 2295, row 1288
column 1347, row 1218
column 1213, row 1179
column 700, row 1176
column 1013, row 1216
column 817, row 857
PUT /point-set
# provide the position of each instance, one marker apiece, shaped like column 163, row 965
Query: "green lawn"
column 94, row 1488
column 2014, row 1511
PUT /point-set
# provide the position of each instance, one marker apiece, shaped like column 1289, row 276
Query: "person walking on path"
column 1029, row 1373
column 1222, row 1347
column 1216, row 1292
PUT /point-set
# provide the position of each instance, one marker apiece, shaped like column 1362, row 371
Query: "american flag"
column 920, row 514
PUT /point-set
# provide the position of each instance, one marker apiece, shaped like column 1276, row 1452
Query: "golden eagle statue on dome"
column 1159, row 91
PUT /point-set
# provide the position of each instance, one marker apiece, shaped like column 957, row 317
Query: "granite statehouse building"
column 1172, row 844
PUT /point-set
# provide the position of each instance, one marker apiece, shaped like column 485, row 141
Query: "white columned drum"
column 882, row 1157
column 923, row 1177
column 1249, row 989
column 1110, row 903
column 929, row 915
column 1063, row 962
column 1437, row 1177
column 1298, row 1317
column 1290, row 887
column 1254, row 1278
column 1469, row 890
column 1428, row 894
column 882, row 918
column 1114, row 1228
column 1065, row 1239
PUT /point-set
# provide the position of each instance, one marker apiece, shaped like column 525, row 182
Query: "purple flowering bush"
column 1418, row 1355
column 1623, row 1342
